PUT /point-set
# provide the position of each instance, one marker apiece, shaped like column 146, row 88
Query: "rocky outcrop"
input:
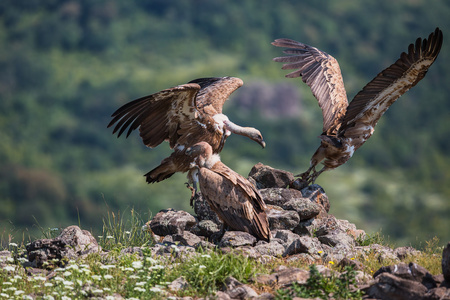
column 70, row 244
column 301, row 229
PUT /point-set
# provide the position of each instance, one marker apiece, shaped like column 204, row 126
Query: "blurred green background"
column 65, row 66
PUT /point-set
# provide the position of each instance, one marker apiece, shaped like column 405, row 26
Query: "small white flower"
column 19, row 292
column 156, row 290
column 110, row 298
column 48, row 297
column 59, row 269
column 110, row 237
column 97, row 291
column 22, row 260
column 9, row 268
column 107, row 276
column 127, row 232
column 4, row 295
column 141, row 283
column 41, row 278
column 65, row 298
column 128, row 269
column 202, row 267
column 79, row 282
column 107, row 267
column 67, row 273
column 157, row 267
column 73, row 267
column 151, row 260
column 27, row 297
column 13, row 245
column 133, row 277
column 206, row 255
column 48, row 284
column 96, row 277
column 139, row 289
column 10, row 259
column 67, row 282
column 137, row 264
column 7, row 283
column 57, row 278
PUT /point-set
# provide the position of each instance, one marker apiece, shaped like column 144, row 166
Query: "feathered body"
column 182, row 115
column 236, row 201
column 347, row 126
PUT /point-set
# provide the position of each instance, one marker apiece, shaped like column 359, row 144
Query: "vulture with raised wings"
column 235, row 199
column 183, row 115
column 347, row 126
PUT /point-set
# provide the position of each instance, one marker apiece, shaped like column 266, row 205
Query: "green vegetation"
column 65, row 66
column 318, row 285
column 148, row 276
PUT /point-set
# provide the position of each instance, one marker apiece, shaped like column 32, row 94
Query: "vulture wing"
column 321, row 72
column 215, row 91
column 235, row 200
column 378, row 95
column 159, row 115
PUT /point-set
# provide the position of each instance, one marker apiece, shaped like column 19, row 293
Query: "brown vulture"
column 347, row 126
column 235, row 200
column 183, row 115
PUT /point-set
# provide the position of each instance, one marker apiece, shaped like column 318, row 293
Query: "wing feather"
column 215, row 91
column 158, row 114
column 321, row 72
column 379, row 94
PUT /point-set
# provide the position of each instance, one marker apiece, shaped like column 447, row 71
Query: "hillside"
column 67, row 65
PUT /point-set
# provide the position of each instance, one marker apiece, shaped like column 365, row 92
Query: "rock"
column 170, row 221
column 206, row 228
column 389, row 286
column 294, row 243
column 291, row 199
column 283, row 277
column 203, row 210
column 178, row 284
column 186, row 238
column 238, row 290
column 446, row 262
column 409, row 271
column 70, row 244
column 317, row 194
column 132, row 250
column 356, row 264
column 237, row 239
column 440, row 293
column 281, row 219
column 274, row 248
column 404, row 252
column 263, row 176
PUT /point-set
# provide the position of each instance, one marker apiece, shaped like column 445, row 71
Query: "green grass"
column 135, row 277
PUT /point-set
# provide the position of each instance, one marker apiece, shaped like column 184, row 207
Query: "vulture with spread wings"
column 235, row 199
column 347, row 126
column 183, row 115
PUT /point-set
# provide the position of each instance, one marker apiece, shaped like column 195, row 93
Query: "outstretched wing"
column 159, row 115
column 321, row 72
column 215, row 91
column 379, row 94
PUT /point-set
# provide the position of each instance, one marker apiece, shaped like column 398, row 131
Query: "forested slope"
column 65, row 66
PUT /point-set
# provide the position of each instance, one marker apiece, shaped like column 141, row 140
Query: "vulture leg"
column 315, row 174
column 306, row 175
column 192, row 179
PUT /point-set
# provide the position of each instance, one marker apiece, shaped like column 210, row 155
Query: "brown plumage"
column 182, row 115
column 235, row 200
column 347, row 126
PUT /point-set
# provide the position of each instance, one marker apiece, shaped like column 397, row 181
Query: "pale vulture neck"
column 236, row 129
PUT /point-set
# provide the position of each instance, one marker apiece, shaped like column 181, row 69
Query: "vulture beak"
column 263, row 144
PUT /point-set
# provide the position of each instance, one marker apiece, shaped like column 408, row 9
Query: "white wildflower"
column 139, row 289
column 59, row 269
column 156, row 290
column 67, row 282
column 57, row 278
column 48, row 297
column 7, row 283
column 133, row 277
column 73, row 267
column 157, row 267
column 67, row 273
column 13, row 245
column 110, row 237
column 18, row 292
column 96, row 277
column 10, row 259
column 4, row 295
column 107, row 267
column 141, row 283
column 41, row 278
column 22, row 260
column 107, row 276
column 97, row 291
column 9, row 268
column 110, row 298
column 206, row 255
column 48, row 284
column 65, row 298
column 202, row 267
column 128, row 269
column 79, row 282
column 137, row 264
column 151, row 260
